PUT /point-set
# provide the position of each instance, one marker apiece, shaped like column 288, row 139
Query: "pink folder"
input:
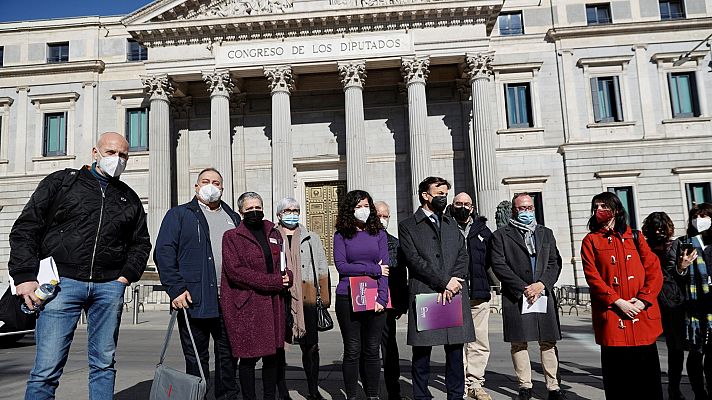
column 364, row 291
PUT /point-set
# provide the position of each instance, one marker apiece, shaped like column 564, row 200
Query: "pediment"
column 177, row 10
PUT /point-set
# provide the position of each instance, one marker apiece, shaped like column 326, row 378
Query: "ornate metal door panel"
column 322, row 207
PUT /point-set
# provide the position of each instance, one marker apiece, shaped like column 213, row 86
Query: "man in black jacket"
column 94, row 227
column 188, row 255
column 477, row 235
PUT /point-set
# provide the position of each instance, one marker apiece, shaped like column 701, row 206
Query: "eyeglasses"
column 461, row 204
column 291, row 211
column 524, row 208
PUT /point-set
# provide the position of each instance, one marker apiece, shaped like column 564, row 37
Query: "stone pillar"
column 353, row 75
column 181, row 119
column 19, row 158
column 239, row 177
column 89, row 124
column 647, row 108
column 281, row 83
column 220, row 87
column 479, row 71
column 160, row 88
column 415, row 72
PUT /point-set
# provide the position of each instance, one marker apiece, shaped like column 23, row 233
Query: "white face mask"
column 384, row 222
column 210, row 193
column 112, row 166
column 702, row 224
column 362, row 214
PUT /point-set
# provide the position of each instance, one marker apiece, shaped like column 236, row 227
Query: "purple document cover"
column 434, row 315
column 364, row 292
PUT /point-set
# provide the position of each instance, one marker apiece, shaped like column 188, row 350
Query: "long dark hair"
column 614, row 203
column 346, row 222
column 700, row 210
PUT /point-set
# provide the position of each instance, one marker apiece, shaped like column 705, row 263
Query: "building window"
column 518, row 102
column 58, row 52
column 597, row 14
column 136, row 51
column 137, row 129
column 625, row 194
column 698, row 193
column 2, row 55
column 683, row 95
column 672, row 9
column 606, row 99
column 511, row 24
column 55, row 134
column 538, row 207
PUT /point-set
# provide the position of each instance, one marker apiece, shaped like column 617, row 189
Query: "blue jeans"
column 54, row 332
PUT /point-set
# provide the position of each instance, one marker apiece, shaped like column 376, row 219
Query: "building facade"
column 309, row 98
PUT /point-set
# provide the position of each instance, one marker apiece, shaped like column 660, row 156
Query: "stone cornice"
column 617, row 174
column 314, row 23
column 631, row 28
column 517, row 67
column 524, row 180
column 671, row 57
column 127, row 93
column 604, row 61
column 96, row 66
column 6, row 101
column 53, row 98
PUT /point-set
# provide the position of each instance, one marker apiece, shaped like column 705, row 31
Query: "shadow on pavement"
column 140, row 390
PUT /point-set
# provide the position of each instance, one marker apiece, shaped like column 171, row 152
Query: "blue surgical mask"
column 290, row 220
column 525, row 217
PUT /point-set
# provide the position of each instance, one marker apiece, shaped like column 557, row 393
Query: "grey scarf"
column 528, row 232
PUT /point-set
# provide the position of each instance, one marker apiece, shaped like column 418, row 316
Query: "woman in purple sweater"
column 360, row 249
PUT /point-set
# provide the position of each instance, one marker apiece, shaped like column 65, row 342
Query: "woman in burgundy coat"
column 624, row 277
column 252, row 279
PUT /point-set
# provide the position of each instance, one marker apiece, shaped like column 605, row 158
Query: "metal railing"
column 573, row 297
column 143, row 295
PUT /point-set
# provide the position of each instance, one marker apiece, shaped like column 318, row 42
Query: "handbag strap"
column 174, row 315
column 316, row 281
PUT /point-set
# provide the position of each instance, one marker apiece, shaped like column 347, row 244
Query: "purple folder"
column 433, row 315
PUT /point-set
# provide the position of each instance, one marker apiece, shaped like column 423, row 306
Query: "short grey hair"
column 382, row 203
column 287, row 202
column 248, row 195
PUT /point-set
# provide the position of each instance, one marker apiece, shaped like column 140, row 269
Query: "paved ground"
column 139, row 347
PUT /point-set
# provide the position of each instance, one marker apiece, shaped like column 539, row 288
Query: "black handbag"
column 323, row 319
column 171, row 384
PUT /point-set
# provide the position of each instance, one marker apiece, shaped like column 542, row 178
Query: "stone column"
column 160, row 88
column 479, row 71
column 353, row 75
column 220, row 87
column 89, row 132
column 19, row 158
column 237, row 110
column 281, row 83
column 415, row 72
column 647, row 108
column 181, row 119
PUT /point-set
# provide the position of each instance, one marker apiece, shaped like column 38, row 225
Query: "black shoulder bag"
column 323, row 319
column 670, row 295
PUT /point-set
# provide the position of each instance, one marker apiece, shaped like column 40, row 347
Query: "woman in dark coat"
column 252, row 280
column 305, row 256
column 658, row 230
column 624, row 278
column 689, row 261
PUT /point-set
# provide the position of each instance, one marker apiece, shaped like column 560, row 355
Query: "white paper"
column 283, row 258
column 539, row 306
column 47, row 273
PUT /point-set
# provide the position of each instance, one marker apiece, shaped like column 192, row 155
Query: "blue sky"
column 26, row 10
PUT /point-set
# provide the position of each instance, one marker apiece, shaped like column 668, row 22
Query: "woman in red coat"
column 625, row 279
column 252, row 279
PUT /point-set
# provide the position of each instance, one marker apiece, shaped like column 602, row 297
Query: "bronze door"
column 322, row 207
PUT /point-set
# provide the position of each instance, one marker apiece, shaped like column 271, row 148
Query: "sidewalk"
column 139, row 347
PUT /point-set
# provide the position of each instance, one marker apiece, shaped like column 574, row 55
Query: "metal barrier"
column 147, row 294
column 573, row 297
column 496, row 300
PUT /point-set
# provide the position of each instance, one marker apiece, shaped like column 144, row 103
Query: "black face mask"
column 253, row 219
column 461, row 214
column 438, row 203
column 658, row 238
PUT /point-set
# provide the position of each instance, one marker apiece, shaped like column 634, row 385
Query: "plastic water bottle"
column 44, row 292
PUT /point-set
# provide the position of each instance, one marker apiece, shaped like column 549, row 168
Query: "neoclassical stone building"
column 308, row 98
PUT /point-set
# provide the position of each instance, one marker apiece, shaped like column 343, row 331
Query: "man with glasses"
column 435, row 253
column 477, row 236
column 524, row 257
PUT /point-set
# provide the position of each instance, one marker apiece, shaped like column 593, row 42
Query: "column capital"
column 353, row 73
column 25, row 89
column 180, row 107
column 159, row 87
column 280, row 78
column 479, row 65
column 415, row 69
column 219, row 82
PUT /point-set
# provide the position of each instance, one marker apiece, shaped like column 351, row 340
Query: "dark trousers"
column 269, row 377
column 361, row 333
column 310, row 363
column 699, row 370
column 454, row 372
column 676, row 360
column 226, row 386
column 631, row 372
column 390, row 356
